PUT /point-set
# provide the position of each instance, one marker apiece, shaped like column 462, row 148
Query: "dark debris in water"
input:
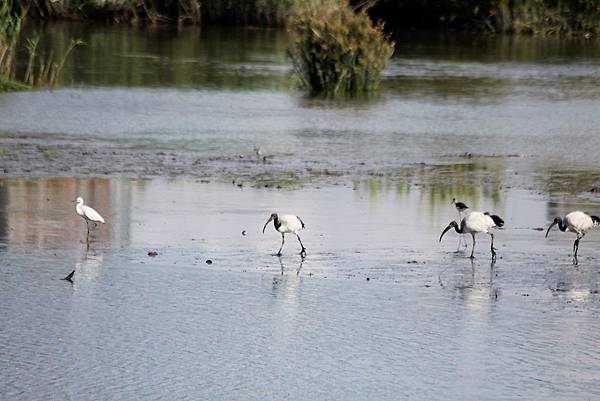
column 152, row 253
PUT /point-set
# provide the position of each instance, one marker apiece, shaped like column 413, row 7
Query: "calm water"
column 428, row 324
column 156, row 128
column 155, row 103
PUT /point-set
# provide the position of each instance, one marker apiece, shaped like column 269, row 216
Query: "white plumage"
column 88, row 214
column 476, row 222
column 576, row 222
column 286, row 224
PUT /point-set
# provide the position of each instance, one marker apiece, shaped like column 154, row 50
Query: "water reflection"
column 446, row 66
column 118, row 55
column 284, row 270
column 196, row 219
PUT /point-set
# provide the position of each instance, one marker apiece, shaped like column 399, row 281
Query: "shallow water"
column 428, row 324
column 379, row 309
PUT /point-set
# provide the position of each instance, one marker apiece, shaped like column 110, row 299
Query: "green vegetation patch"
column 337, row 50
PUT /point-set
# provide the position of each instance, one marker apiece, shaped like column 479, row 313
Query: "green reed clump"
column 41, row 70
column 45, row 70
column 337, row 50
column 10, row 27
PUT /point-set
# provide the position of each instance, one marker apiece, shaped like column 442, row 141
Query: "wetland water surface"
column 508, row 126
column 427, row 324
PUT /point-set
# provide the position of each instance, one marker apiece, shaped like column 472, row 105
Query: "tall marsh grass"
column 10, row 27
column 42, row 70
column 337, row 50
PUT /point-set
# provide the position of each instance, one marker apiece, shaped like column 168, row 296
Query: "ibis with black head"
column 475, row 223
column 286, row 224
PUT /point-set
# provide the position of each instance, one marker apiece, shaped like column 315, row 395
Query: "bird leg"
column 576, row 245
column 303, row 251
column 492, row 248
column 87, row 238
column 282, row 242
column 473, row 249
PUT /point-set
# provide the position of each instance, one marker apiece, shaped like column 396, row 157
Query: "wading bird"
column 287, row 224
column 88, row 214
column 476, row 222
column 461, row 207
column 577, row 222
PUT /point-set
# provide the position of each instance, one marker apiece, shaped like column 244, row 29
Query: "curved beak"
column 549, row 228
column 268, row 221
column 445, row 231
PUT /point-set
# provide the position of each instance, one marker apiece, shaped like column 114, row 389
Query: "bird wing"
column 478, row 222
column 291, row 222
column 92, row 215
column 578, row 221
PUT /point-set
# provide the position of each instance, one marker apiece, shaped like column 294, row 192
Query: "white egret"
column 88, row 214
column 474, row 223
column 287, row 224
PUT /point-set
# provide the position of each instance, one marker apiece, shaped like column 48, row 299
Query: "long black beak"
column 445, row 231
column 549, row 228
column 268, row 221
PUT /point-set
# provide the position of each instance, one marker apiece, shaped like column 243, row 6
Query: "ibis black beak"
column 445, row 231
column 549, row 228
column 268, row 221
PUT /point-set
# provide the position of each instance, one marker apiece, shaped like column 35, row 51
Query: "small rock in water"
column 208, row 262
column 244, row 233
column 368, row 279
column 152, row 253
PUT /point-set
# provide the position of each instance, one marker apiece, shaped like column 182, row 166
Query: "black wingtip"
column 69, row 278
column 497, row 220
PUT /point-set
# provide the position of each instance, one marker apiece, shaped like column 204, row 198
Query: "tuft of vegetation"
column 10, row 27
column 45, row 70
column 41, row 70
column 337, row 50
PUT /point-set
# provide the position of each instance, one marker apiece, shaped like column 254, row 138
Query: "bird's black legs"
column 87, row 238
column 576, row 248
column 492, row 248
column 303, row 251
column 473, row 249
column 282, row 242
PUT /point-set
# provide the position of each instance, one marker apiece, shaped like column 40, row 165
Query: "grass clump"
column 337, row 50
column 10, row 27
column 41, row 70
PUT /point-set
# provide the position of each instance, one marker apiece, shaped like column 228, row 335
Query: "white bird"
column 287, row 224
column 476, row 222
column 88, row 215
column 576, row 222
